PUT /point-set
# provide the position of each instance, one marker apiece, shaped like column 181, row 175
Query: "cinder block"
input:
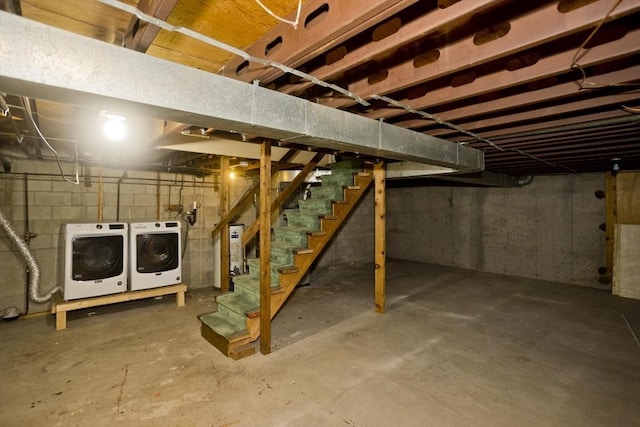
column 144, row 200
column 52, row 199
column 66, row 213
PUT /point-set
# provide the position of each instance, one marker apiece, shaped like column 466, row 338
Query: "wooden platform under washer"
column 60, row 308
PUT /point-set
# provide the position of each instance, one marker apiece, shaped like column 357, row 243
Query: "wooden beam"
column 265, row 248
column 224, row 234
column 251, row 231
column 380, row 242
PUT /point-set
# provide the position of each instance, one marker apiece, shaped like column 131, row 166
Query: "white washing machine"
column 155, row 254
column 96, row 259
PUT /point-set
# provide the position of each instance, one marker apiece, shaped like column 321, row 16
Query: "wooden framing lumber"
column 224, row 234
column 60, row 308
column 380, row 242
column 265, row 248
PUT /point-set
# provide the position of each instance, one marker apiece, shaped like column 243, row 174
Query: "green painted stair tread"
column 222, row 326
column 231, row 315
column 240, row 303
column 252, row 285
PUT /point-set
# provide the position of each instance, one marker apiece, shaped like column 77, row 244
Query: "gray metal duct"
column 42, row 62
column 34, row 267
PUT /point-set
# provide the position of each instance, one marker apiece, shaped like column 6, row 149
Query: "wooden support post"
column 380, row 243
column 224, row 233
column 265, row 248
column 611, row 214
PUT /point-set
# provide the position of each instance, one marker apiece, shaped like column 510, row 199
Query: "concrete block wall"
column 353, row 244
column 53, row 203
column 547, row 230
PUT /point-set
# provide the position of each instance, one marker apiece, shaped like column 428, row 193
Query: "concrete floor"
column 454, row 348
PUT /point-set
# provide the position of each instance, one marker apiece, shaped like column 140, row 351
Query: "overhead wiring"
column 29, row 114
column 582, row 51
column 475, row 136
column 286, row 21
column 286, row 69
column 216, row 43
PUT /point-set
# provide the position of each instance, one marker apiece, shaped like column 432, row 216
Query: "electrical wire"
column 5, row 111
column 436, row 119
column 582, row 51
column 466, row 132
column 216, row 43
column 208, row 40
column 286, row 21
column 29, row 114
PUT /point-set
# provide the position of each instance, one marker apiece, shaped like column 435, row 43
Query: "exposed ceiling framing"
column 520, row 74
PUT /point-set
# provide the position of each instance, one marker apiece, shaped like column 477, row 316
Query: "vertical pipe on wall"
column 100, row 196
column 124, row 175
column 158, row 197
column 27, row 233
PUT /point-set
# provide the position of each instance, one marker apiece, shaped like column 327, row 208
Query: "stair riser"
column 254, row 271
column 315, row 206
column 282, row 256
column 311, row 222
column 299, row 239
column 333, row 192
column 337, row 180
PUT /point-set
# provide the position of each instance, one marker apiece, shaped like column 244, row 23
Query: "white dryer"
column 95, row 259
column 155, row 254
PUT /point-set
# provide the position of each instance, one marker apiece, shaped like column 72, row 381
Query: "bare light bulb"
column 114, row 127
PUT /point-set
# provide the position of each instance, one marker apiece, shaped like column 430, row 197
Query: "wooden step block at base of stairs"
column 233, row 349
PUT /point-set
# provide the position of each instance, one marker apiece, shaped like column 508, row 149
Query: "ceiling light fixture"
column 114, row 127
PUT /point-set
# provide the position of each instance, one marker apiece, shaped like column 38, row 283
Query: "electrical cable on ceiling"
column 190, row 33
column 244, row 55
column 582, row 51
column 5, row 111
column 286, row 21
column 29, row 114
column 466, row 132
column 436, row 119
column 39, row 115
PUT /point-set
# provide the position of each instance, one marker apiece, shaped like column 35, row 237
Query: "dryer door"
column 157, row 252
column 96, row 258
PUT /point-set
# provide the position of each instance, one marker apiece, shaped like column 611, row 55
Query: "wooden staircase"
column 235, row 327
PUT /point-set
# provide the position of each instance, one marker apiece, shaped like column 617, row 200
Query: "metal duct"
column 34, row 283
column 111, row 78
